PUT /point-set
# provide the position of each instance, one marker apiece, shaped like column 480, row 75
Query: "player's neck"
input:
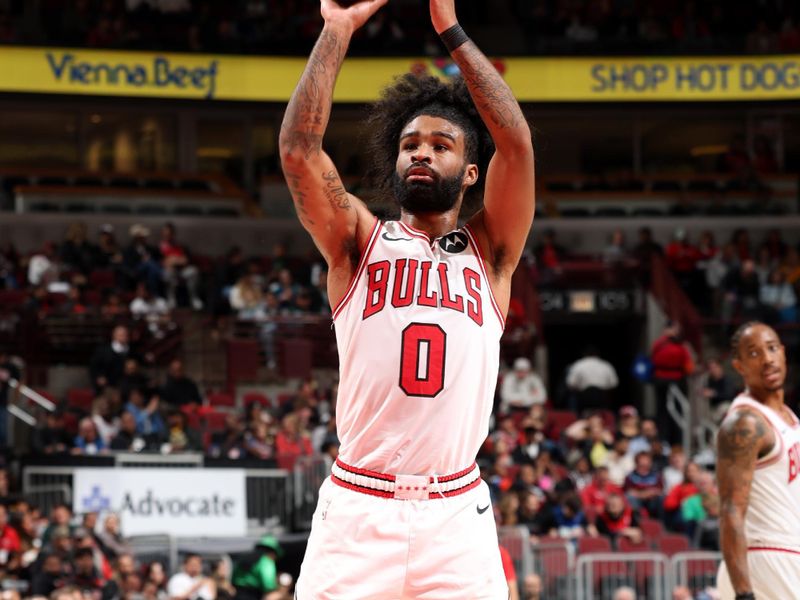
column 772, row 399
column 434, row 225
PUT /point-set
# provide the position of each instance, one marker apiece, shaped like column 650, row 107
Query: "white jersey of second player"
column 418, row 333
column 772, row 521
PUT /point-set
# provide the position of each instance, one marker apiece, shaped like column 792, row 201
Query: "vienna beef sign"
column 181, row 502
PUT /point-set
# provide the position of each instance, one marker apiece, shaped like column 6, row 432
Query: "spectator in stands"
column 9, row 264
column 591, row 380
column 592, row 437
column 113, row 544
column 142, row 261
column 76, row 252
column 617, row 519
column 532, row 587
column 292, row 440
column 8, row 371
column 672, row 364
column 650, row 441
column 51, row 438
column 49, row 577
column 127, row 438
column 285, row 289
column 247, row 297
column 682, row 258
column 256, row 574
column 615, row 253
column 107, row 252
column 86, row 577
column 149, row 423
column 619, row 461
column 113, row 308
column 533, row 513
column 228, row 443
column 674, row 471
column 114, row 588
column 226, row 273
column 681, row 592
column 595, row 494
column 60, row 520
column 44, row 267
column 778, row 299
column 258, row 443
column 222, row 581
column 646, row 248
column 510, row 574
column 742, row 293
column 132, row 378
column 718, row 388
column 533, row 443
column 506, row 432
column 155, row 580
column 624, row 593
column 549, row 256
column 152, row 309
column 189, row 583
column 569, row 520
column 108, row 361
column 678, row 494
column 179, row 390
column 88, row 441
column 644, row 486
column 105, row 424
column 521, row 388
column 790, row 266
column 628, row 422
column 9, row 539
column 182, row 438
column 177, row 268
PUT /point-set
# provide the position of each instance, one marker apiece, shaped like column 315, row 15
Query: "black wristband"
column 745, row 596
column 454, row 37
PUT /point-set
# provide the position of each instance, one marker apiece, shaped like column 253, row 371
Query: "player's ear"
column 737, row 365
column 471, row 175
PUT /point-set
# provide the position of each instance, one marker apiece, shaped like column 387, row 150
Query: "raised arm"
column 338, row 221
column 509, row 200
column 743, row 436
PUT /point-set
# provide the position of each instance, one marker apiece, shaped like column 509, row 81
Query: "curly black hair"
column 410, row 96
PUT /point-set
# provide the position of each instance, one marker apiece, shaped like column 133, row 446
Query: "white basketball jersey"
column 773, row 515
column 418, row 333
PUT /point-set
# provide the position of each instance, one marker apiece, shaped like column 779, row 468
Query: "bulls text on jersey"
column 400, row 286
column 794, row 462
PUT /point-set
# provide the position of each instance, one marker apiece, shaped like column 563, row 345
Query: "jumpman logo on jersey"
column 454, row 243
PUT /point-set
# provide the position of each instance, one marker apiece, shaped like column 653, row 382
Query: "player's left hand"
column 443, row 14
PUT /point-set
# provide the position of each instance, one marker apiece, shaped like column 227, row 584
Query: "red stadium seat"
column 672, row 543
column 558, row 421
column 593, row 545
column 221, row 399
column 626, row 545
column 651, row 528
column 80, row 399
column 261, row 399
column 102, row 279
column 215, row 421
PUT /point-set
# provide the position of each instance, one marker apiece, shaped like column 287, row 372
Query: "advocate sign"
column 272, row 79
column 178, row 502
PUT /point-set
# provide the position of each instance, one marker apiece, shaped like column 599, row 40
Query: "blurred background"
column 168, row 368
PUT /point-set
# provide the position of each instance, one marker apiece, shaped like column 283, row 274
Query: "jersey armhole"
column 362, row 263
column 482, row 264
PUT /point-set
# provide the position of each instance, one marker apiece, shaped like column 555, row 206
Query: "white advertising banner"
column 178, row 502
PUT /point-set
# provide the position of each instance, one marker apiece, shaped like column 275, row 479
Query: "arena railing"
column 695, row 570
column 598, row 575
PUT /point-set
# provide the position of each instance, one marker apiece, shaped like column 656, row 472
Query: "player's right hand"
column 354, row 16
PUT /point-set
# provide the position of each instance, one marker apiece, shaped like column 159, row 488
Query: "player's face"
column 761, row 360
column 431, row 172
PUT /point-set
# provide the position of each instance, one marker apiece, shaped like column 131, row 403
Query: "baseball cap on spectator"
column 628, row 411
column 522, row 364
column 270, row 542
column 62, row 531
column 138, row 230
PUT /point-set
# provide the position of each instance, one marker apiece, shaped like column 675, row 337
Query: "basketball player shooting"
column 419, row 307
column 758, row 462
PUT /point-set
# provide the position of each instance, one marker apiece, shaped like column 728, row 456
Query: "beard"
column 422, row 197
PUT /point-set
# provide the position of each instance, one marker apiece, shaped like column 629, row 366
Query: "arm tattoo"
column 310, row 107
column 295, row 182
column 491, row 93
column 335, row 192
column 740, row 435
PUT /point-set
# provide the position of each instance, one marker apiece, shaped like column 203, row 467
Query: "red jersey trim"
column 351, row 288
column 482, row 264
column 365, row 472
column 771, row 549
column 414, row 232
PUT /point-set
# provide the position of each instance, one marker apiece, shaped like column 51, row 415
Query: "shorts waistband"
column 405, row 487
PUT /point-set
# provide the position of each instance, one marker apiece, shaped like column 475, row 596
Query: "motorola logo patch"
column 454, row 243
